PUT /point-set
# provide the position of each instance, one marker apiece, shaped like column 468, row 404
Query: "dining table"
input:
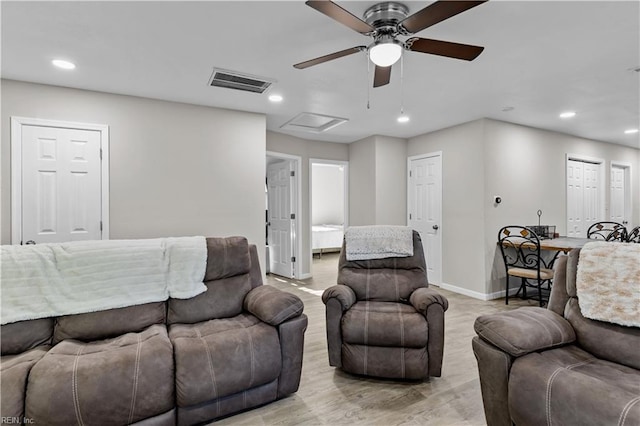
column 559, row 245
column 563, row 244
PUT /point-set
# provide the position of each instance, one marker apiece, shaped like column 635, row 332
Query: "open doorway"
column 328, row 181
column 282, row 204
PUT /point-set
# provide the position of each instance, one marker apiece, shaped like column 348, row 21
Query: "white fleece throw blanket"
column 44, row 280
column 608, row 282
column 378, row 242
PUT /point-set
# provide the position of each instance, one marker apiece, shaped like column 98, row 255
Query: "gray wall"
column 525, row 166
column 175, row 169
column 391, row 181
column 378, row 181
column 362, row 182
column 306, row 149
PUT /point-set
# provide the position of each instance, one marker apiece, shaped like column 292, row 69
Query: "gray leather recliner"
column 382, row 318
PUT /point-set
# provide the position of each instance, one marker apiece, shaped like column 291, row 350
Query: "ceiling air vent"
column 310, row 122
column 240, row 81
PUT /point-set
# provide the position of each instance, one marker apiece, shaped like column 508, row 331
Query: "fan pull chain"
column 368, row 80
column 402, row 83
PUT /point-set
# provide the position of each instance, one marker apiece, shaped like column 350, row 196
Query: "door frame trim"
column 297, row 205
column 16, row 168
column 419, row 157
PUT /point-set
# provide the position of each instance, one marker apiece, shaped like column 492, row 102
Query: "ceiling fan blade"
column 434, row 13
column 329, row 57
column 444, row 48
column 341, row 15
column 381, row 76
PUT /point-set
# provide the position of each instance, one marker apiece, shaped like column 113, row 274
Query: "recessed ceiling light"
column 275, row 98
column 65, row 65
column 568, row 114
column 403, row 119
column 630, row 131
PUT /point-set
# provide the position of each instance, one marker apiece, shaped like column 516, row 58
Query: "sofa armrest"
column 524, row 330
column 291, row 333
column 423, row 297
column 494, row 366
column 344, row 294
column 338, row 299
column 272, row 305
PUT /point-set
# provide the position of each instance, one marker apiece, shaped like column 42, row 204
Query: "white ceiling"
column 541, row 58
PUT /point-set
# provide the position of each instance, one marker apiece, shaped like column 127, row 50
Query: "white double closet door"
column 584, row 196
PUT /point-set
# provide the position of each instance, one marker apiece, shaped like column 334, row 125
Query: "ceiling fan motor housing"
column 384, row 17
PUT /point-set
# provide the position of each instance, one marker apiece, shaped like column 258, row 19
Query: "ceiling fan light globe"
column 385, row 54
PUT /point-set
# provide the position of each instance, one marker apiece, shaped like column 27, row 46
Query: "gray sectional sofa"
column 554, row 366
column 236, row 346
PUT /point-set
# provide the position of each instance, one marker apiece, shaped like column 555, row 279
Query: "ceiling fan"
column 384, row 22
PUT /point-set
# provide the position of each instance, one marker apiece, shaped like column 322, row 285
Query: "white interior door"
column 279, row 190
column 425, row 209
column 584, row 196
column 61, row 184
column 619, row 202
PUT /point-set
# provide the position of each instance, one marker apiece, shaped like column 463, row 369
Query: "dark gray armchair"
column 383, row 320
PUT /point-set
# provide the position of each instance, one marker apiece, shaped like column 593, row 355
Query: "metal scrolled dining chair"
column 633, row 236
column 608, row 231
column 520, row 249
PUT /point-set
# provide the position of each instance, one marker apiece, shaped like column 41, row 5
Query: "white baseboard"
column 464, row 291
column 304, row 276
column 500, row 294
column 475, row 294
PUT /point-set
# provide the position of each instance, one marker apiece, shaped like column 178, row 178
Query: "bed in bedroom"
column 326, row 238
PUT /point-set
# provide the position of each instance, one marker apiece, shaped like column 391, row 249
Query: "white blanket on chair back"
column 378, row 242
column 45, row 280
column 608, row 282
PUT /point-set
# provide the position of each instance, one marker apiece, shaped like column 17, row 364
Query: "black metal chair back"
column 608, row 231
column 520, row 249
column 634, row 235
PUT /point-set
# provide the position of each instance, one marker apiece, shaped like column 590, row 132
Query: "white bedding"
column 327, row 236
column 48, row 280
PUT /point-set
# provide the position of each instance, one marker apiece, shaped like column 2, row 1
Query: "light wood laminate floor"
column 328, row 396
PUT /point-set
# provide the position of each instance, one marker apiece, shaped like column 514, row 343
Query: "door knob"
column 436, row 227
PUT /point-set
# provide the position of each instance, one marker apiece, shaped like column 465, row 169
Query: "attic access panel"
column 314, row 123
